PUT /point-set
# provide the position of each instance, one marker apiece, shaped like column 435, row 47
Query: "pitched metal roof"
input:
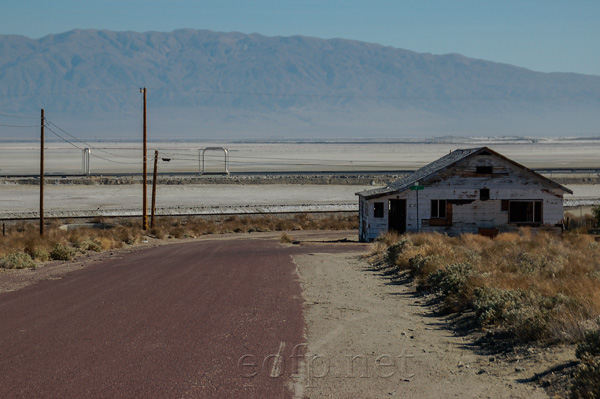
column 438, row 165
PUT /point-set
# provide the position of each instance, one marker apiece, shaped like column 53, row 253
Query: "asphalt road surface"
column 208, row 319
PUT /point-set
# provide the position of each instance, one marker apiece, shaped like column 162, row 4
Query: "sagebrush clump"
column 17, row 260
column 62, row 252
column 586, row 381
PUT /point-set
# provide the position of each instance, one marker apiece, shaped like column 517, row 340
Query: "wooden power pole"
column 42, row 173
column 145, row 171
column 153, row 206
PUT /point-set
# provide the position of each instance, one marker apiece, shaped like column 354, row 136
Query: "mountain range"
column 205, row 85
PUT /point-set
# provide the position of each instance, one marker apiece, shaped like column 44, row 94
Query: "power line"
column 113, row 161
column 87, row 144
column 62, row 138
column 18, row 116
column 3, row 125
column 92, row 154
column 305, row 161
column 319, row 163
column 240, row 160
column 55, row 93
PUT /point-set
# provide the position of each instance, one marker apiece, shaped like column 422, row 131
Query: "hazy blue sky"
column 543, row 35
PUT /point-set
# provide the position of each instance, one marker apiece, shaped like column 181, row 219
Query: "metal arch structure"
column 202, row 152
column 85, row 164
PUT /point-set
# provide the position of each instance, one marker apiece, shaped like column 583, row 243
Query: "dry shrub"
column 476, row 242
column 177, row 232
column 84, row 240
column 389, row 238
column 454, row 282
column 568, row 325
column 128, row 235
column 91, row 244
column 286, row 224
column 376, row 254
column 586, row 381
column 62, row 252
column 340, row 223
column 17, row 260
column 304, row 221
column 60, row 244
column 37, row 247
column 107, row 243
column 508, row 237
column 286, row 239
column 158, row 232
column 24, row 236
column 538, row 286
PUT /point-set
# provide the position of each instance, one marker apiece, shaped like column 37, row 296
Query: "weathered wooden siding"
column 363, row 219
column 460, row 186
column 376, row 226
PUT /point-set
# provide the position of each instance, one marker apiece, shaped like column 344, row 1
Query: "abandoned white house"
column 467, row 191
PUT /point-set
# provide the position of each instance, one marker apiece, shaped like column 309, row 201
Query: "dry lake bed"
column 17, row 200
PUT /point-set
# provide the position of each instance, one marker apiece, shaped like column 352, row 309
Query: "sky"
column 542, row 35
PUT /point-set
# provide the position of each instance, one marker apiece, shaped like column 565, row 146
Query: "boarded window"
column 484, row 170
column 438, row 209
column 505, row 204
column 525, row 212
column 484, row 194
column 378, row 209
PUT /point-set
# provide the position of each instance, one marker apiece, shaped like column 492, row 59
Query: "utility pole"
column 154, row 188
column 42, row 173
column 145, row 174
column 418, row 221
column 417, row 187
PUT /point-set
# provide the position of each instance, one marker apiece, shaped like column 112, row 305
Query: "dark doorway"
column 397, row 215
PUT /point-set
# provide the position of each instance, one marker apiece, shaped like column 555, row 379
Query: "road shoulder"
column 367, row 337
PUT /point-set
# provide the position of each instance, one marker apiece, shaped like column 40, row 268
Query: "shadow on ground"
column 498, row 346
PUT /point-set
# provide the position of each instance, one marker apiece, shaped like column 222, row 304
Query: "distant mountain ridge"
column 204, row 84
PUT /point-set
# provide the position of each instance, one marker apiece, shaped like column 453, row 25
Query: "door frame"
column 397, row 215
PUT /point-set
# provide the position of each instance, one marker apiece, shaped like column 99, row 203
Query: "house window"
column 438, row 209
column 378, row 209
column 484, row 194
column 484, row 170
column 525, row 212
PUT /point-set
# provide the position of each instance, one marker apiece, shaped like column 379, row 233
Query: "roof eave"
column 380, row 194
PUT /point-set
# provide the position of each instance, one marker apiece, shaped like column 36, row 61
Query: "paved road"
column 167, row 322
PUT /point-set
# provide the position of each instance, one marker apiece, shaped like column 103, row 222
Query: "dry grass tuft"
column 286, row 239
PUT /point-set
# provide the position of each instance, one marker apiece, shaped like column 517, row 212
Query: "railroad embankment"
column 251, row 179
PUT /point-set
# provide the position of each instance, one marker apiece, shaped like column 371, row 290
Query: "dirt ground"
column 370, row 337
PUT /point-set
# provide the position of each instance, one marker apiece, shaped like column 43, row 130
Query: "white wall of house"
column 461, row 188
